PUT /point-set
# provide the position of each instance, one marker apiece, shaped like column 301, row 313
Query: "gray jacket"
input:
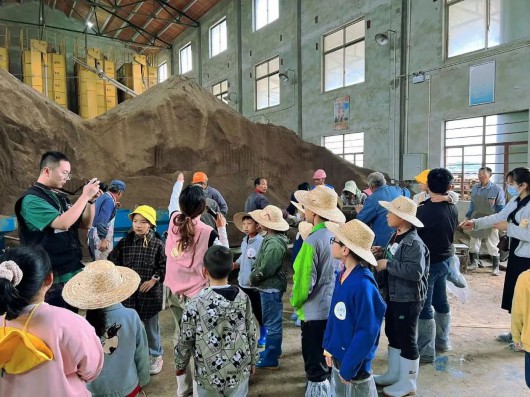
column 249, row 253
column 408, row 270
column 256, row 201
column 215, row 195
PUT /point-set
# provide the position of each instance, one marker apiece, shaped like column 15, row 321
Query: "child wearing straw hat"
column 99, row 289
column 356, row 314
column 249, row 251
column 406, row 261
column 313, row 282
column 143, row 251
column 269, row 278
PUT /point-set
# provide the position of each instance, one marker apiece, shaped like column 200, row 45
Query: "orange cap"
column 199, row 177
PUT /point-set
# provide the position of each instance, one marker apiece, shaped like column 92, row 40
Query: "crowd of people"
column 80, row 330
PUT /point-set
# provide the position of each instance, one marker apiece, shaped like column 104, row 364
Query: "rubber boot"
column 391, row 375
column 269, row 357
column 426, row 340
column 496, row 262
column 262, row 336
column 474, row 262
column 443, row 327
column 408, row 374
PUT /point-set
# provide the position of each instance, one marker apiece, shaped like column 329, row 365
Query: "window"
column 344, row 56
column 268, row 83
column 348, row 146
column 265, row 12
column 220, row 90
column 186, row 62
column 162, row 72
column 218, row 38
column 477, row 24
column 499, row 142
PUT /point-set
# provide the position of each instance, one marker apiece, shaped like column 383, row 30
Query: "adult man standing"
column 487, row 198
column 100, row 236
column 372, row 213
column 47, row 218
column 257, row 199
column 440, row 219
column 200, row 178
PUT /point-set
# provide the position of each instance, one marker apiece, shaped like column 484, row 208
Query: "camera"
column 102, row 186
column 211, row 211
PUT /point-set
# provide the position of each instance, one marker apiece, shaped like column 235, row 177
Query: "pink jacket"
column 184, row 269
column 77, row 355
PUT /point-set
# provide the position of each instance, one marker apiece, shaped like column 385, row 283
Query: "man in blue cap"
column 101, row 234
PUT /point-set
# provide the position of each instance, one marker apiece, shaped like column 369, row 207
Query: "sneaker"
column 298, row 322
column 505, row 337
column 514, row 348
column 294, row 317
column 155, row 364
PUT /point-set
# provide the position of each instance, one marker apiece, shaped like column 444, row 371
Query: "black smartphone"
column 211, row 212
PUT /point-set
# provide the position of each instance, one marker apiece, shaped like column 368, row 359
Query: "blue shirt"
column 374, row 215
column 105, row 212
column 492, row 191
column 355, row 318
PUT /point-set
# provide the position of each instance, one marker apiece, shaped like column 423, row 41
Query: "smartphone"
column 211, row 212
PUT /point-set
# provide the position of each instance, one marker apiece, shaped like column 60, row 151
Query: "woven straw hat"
column 322, row 201
column 305, row 229
column 238, row 220
column 100, row 285
column 403, row 207
column 357, row 237
column 271, row 217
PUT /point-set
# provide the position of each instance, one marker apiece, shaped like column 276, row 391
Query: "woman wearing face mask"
column 514, row 220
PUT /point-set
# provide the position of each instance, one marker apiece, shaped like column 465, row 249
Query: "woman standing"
column 514, row 220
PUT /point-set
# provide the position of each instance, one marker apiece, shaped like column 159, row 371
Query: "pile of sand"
column 174, row 126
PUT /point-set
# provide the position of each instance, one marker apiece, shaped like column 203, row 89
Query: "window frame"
column 181, row 50
column 267, row 76
column 255, row 9
column 219, row 23
column 221, row 93
column 343, row 47
column 345, row 153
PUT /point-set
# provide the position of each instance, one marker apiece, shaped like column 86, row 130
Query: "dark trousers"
column 255, row 301
column 315, row 365
column 527, row 368
column 54, row 297
column 401, row 327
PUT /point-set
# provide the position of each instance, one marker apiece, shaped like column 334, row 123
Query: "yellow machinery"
column 138, row 75
column 4, row 50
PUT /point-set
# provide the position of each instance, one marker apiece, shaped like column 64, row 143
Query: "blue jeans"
column 436, row 291
column 272, row 309
column 527, row 368
column 152, row 328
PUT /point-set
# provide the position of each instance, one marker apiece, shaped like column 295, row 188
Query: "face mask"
column 512, row 190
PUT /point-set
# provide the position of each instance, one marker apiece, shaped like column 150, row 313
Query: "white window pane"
column 224, row 86
column 334, row 138
column 185, row 59
column 261, row 70
column 467, row 27
column 334, row 70
column 274, row 10
column 214, row 41
column 223, row 37
column 274, row 65
column 216, row 89
column 354, row 72
column 262, row 94
column 274, row 90
column 260, row 13
column 162, row 72
column 355, row 32
column 334, row 40
column 494, row 32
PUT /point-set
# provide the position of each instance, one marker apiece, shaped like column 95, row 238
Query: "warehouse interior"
column 142, row 90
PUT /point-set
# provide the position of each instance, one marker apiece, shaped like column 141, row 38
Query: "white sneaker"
column 155, row 364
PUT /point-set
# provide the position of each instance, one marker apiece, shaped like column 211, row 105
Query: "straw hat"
column 357, row 237
column 403, row 207
column 322, row 201
column 305, row 229
column 271, row 217
column 238, row 220
column 422, row 177
column 99, row 285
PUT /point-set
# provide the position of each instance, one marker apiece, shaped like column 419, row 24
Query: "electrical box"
column 413, row 164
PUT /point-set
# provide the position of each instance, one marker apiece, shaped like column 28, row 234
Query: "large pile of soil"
column 174, row 126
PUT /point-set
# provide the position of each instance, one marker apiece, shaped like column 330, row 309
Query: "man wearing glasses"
column 47, row 218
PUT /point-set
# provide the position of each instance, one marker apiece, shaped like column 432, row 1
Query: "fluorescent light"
column 89, row 24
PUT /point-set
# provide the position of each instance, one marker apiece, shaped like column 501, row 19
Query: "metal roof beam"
column 165, row 3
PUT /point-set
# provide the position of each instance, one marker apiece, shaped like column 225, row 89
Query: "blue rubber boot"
column 269, row 357
column 262, row 336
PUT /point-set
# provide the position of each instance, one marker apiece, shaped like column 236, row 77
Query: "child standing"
column 406, row 261
column 269, row 278
column 99, row 289
column 218, row 330
column 521, row 320
column 249, row 252
column 70, row 353
column 143, row 251
column 356, row 315
column 313, row 282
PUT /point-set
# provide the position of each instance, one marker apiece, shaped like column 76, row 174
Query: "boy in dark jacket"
column 269, row 278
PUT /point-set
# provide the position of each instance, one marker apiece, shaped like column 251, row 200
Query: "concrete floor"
column 478, row 365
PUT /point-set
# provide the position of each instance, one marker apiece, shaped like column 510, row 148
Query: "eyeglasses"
column 334, row 240
column 68, row 175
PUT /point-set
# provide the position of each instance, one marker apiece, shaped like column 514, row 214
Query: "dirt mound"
column 175, row 126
